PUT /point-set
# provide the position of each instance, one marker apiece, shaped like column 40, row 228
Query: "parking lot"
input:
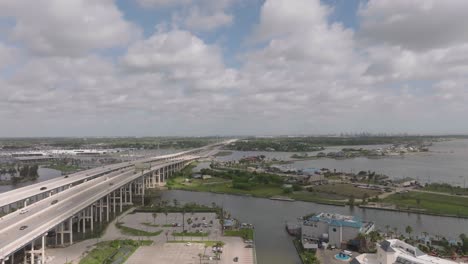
column 182, row 253
column 176, row 222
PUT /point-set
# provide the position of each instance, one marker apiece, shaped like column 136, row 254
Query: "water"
column 274, row 245
column 44, row 175
column 446, row 162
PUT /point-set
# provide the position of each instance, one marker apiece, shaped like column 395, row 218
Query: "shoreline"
column 333, row 204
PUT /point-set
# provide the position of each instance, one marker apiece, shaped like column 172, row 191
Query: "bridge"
column 51, row 212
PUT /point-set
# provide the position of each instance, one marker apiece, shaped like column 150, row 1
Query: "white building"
column 333, row 229
column 394, row 251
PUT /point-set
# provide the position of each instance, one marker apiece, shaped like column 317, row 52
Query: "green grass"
column 263, row 191
column 223, row 153
column 246, row 233
column 207, row 243
column 116, row 251
column 431, row 203
column 195, row 234
column 135, row 232
column 63, row 167
column 150, row 224
column 347, row 190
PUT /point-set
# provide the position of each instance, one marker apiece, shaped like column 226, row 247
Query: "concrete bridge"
column 78, row 202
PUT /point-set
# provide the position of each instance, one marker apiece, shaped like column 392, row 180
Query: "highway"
column 43, row 216
column 17, row 195
column 18, row 229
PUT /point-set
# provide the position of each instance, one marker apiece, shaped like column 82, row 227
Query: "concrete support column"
column 100, row 210
column 43, row 250
column 70, row 227
column 143, row 194
column 113, row 202
column 32, row 252
column 92, row 218
column 120, row 200
column 61, row 233
column 107, row 207
column 84, row 221
column 131, row 185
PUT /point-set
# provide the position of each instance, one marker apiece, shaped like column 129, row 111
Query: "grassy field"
column 135, row 232
column 263, row 191
column 207, row 243
column 150, row 224
column 223, row 153
column 431, row 203
column 116, row 251
column 194, row 234
column 244, row 233
column 63, row 167
column 346, row 190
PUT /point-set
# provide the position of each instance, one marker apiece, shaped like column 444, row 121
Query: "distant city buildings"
column 333, row 229
column 394, row 251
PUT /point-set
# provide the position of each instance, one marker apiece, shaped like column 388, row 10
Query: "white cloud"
column 67, row 28
column 8, row 55
column 179, row 56
column 415, row 24
column 162, row 3
column 198, row 20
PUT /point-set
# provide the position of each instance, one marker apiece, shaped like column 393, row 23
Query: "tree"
column 154, row 217
column 200, row 255
column 165, row 213
column 409, row 230
column 176, row 203
column 351, row 201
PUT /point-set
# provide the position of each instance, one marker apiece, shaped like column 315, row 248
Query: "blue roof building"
column 335, row 229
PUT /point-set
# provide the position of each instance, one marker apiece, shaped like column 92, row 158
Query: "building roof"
column 228, row 222
column 336, row 220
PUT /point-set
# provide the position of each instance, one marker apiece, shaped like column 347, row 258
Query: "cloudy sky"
column 205, row 67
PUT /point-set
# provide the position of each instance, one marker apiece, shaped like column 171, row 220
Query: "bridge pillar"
column 107, row 207
column 113, row 202
column 120, row 200
column 131, row 187
column 143, row 193
column 91, row 219
column 70, row 227
column 100, row 210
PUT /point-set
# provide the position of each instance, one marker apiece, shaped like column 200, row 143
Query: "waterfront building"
column 394, row 251
column 334, row 229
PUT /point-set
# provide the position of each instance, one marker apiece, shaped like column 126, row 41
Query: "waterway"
column 44, row 175
column 273, row 244
column 446, row 162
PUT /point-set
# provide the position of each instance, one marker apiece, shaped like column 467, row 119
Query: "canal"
column 273, row 244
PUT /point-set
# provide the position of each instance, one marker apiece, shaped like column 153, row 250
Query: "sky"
column 232, row 67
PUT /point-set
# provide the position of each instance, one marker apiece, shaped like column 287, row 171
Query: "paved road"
column 20, row 194
column 44, row 216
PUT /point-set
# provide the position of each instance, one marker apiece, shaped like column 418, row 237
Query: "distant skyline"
column 232, row 67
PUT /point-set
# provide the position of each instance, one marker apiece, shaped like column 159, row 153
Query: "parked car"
column 236, row 259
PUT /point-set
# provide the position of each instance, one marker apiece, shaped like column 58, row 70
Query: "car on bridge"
column 23, row 227
column 54, row 202
column 43, row 188
column 24, row 211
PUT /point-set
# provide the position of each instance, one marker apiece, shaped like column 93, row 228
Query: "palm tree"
column 154, row 218
column 200, row 255
column 395, row 230
column 409, row 230
column 387, row 227
column 165, row 212
column 176, row 203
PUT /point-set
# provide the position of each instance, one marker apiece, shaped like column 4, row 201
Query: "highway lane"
column 9, row 220
column 20, row 194
column 73, row 200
